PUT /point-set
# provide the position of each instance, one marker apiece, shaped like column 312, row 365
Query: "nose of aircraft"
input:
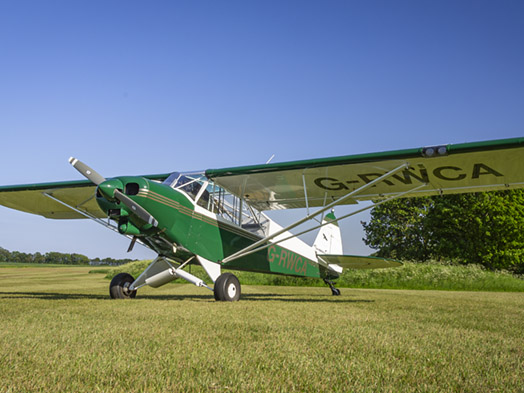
column 108, row 187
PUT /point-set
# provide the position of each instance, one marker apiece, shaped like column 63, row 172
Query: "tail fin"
column 329, row 240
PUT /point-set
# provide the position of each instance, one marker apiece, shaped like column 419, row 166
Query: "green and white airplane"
column 216, row 218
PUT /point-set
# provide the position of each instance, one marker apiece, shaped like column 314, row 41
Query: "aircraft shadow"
column 301, row 298
column 246, row 297
column 49, row 295
column 72, row 296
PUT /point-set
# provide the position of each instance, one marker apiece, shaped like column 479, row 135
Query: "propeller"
column 98, row 179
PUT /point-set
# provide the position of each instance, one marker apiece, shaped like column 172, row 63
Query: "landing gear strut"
column 334, row 291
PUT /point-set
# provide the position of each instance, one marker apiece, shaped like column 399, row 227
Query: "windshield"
column 191, row 184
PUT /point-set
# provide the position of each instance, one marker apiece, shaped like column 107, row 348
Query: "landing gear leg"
column 334, row 291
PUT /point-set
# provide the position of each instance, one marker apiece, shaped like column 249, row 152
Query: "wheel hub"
column 231, row 290
column 125, row 288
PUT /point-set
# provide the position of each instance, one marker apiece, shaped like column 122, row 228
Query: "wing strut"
column 305, row 192
column 329, row 222
column 308, row 217
column 87, row 215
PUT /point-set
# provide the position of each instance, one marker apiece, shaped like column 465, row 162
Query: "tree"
column 38, row 258
column 53, row 257
column 79, row 259
column 397, row 229
column 483, row 228
column 21, row 257
column 5, row 255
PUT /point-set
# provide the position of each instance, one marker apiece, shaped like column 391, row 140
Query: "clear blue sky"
column 136, row 87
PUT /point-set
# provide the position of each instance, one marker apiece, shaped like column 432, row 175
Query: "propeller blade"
column 133, row 241
column 91, row 174
column 136, row 208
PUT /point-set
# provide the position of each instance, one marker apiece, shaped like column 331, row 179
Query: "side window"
column 204, row 200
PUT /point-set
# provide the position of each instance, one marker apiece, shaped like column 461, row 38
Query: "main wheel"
column 335, row 291
column 227, row 288
column 119, row 287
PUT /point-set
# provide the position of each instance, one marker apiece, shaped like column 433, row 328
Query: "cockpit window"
column 191, row 185
column 172, row 179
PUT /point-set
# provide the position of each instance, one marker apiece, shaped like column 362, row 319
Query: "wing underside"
column 54, row 201
column 446, row 169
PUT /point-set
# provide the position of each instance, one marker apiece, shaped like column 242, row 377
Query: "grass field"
column 60, row 332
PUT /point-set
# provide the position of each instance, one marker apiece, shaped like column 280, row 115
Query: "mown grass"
column 24, row 264
column 432, row 275
column 60, row 332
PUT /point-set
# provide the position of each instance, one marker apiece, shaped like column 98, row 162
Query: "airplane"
column 215, row 218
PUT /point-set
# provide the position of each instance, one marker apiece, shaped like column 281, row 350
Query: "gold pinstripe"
column 151, row 195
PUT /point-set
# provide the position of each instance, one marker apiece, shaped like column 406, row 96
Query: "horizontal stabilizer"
column 359, row 262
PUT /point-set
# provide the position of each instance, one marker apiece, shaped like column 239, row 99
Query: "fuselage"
column 194, row 218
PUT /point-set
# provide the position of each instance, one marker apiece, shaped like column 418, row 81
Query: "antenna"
column 270, row 158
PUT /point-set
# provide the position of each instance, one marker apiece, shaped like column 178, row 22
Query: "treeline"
column 484, row 228
column 54, row 257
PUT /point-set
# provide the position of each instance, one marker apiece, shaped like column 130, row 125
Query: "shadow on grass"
column 48, row 295
column 245, row 297
column 301, row 298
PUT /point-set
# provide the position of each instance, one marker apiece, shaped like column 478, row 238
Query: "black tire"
column 335, row 292
column 218, row 283
column 227, row 288
column 119, row 287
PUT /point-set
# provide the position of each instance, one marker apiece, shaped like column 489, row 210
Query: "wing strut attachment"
column 308, row 217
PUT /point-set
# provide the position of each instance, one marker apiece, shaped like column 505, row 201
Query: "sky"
column 136, row 87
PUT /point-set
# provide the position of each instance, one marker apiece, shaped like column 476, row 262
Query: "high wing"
column 445, row 169
column 57, row 200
